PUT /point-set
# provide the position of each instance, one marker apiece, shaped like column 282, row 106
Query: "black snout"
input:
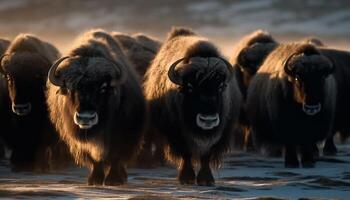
column 22, row 109
column 86, row 119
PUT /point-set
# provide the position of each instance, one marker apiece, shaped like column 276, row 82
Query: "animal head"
column 26, row 74
column 202, row 83
column 308, row 72
column 87, row 84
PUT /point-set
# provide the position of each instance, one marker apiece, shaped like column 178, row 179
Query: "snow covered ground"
column 242, row 176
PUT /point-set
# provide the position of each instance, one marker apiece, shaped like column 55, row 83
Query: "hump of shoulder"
column 202, row 48
column 179, row 31
column 25, row 42
column 259, row 36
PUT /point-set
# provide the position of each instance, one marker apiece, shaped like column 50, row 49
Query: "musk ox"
column 141, row 50
column 28, row 132
column 341, row 61
column 246, row 59
column 291, row 101
column 194, row 103
column 97, row 105
column 3, row 46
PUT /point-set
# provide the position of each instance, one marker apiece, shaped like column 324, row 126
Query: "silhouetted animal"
column 247, row 56
column 291, row 101
column 27, row 129
column 141, row 50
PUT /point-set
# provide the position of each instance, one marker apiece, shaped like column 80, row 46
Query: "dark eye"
column 296, row 78
column 8, row 77
column 221, row 87
column 189, row 87
column 103, row 88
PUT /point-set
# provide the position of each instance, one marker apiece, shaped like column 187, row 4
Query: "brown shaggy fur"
column 139, row 48
column 165, row 102
column 3, row 45
column 27, row 63
column 117, row 135
column 273, row 113
column 341, row 60
column 246, row 58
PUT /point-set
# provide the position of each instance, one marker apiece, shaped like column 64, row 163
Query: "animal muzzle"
column 312, row 109
column 207, row 122
column 85, row 120
column 22, row 109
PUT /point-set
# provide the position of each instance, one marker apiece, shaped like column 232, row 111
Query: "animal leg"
column 205, row 177
column 117, row 174
column 307, row 156
column 329, row 148
column 22, row 161
column 97, row 174
column 315, row 151
column 186, row 172
column 291, row 157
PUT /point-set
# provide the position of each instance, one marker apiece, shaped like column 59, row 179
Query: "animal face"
column 25, row 75
column 87, row 89
column 203, row 82
column 308, row 74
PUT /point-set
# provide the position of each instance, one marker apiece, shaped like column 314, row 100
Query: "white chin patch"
column 207, row 122
column 85, row 120
column 312, row 109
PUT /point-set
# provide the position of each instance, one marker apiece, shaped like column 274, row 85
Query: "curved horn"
column 120, row 72
column 173, row 75
column 51, row 75
column 2, row 70
column 285, row 67
column 228, row 64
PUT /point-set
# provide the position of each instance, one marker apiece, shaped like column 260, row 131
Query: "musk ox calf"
column 96, row 103
column 291, row 101
column 26, row 126
column 141, row 49
column 247, row 56
column 194, row 102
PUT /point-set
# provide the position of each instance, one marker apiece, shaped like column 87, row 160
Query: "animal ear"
column 62, row 91
column 243, row 58
column 121, row 74
column 173, row 74
column 332, row 66
column 2, row 70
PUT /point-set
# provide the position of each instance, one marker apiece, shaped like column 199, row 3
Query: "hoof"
column 95, row 180
column 205, row 178
column 187, row 176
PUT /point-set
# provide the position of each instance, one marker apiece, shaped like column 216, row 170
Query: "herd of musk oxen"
column 117, row 100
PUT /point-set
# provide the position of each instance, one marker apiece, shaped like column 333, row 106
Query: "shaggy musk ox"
column 97, row 106
column 3, row 46
column 194, row 102
column 341, row 61
column 291, row 101
column 26, row 126
column 246, row 59
column 141, row 50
